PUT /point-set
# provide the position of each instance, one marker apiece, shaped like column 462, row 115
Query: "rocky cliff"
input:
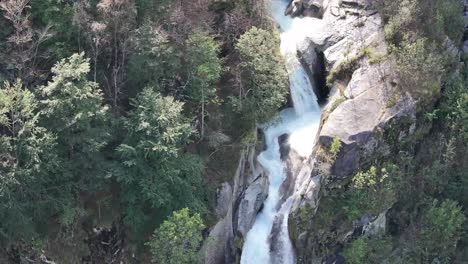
column 364, row 106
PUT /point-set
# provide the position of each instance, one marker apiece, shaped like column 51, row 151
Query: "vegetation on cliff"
column 419, row 184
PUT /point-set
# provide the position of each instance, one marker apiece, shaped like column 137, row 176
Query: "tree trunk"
column 202, row 129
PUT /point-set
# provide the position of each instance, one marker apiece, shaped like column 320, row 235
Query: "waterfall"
column 301, row 124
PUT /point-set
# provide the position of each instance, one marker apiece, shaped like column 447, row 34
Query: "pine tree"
column 264, row 84
column 204, row 70
column 156, row 174
column 73, row 108
column 30, row 187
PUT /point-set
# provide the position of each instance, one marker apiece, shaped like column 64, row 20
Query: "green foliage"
column 178, row 239
column 157, row 60
column 203, row 71
column 368, row 179
column 409, row 29
column 337, row 103
column 157, row 124
column 347, row 66
column 72, row 108
column 373, row 57
column 250, row 138
column 401, row 16
column 455, row 106
column 371, row 192
column 442, row 228
column 335, row 147
column 152, row 10
column 156, row 174
column 450, row 19
column 420, row 66
column 264, row 79
column 204, row 67
column 30, row 190
column 367, row 250
column 58, row 15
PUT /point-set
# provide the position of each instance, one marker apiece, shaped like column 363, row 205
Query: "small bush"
column 178, row 239
column 371, row 192
column 335, row 146
column 449, row 17
column 337, row 103
column 442, row 228
column 420, row 66
column 343, row 70
column 367, row 250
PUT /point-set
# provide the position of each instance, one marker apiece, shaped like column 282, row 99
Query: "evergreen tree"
column 441, row 230
column 156, row 174
column 367, row 250
column 264, row 84
column 156, row 62
column 31, row 190
column 58, row 15
column 72, row 108
column 204, row 71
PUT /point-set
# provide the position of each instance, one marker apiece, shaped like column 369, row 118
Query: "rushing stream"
column 301, row 124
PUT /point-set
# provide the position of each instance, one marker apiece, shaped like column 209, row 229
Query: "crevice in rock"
column 321, row 78
column 313, row 61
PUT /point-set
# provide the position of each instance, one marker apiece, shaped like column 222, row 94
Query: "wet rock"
column 249, row 205
column 218, row 248
column 313, row 62
column 309, row 8
column 285, row 149
column 237, row 207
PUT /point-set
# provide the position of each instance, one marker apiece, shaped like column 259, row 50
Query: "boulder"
column 308, row 8
column 250, row 202
column 376, row 226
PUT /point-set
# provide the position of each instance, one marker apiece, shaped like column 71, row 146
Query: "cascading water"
column 301, row 124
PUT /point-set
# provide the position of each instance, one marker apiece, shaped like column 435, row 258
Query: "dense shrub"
column 178, row 239
column 367, row 250
column 264, row 84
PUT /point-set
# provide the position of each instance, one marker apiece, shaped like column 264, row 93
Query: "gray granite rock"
column 236, row 209
column 309, row 8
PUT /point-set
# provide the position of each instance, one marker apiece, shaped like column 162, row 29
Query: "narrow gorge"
column 297, row 125
column 312, row 152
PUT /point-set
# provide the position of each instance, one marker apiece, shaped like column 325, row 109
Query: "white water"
column 301, row 123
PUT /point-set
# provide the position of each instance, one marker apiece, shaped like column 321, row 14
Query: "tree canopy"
column 178, row 239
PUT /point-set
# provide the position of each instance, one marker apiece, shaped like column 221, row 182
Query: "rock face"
column 237, row 206
column 357, row 119
column 310, row 8
column 364, row 99
column 364, row 103
column 313, row 61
